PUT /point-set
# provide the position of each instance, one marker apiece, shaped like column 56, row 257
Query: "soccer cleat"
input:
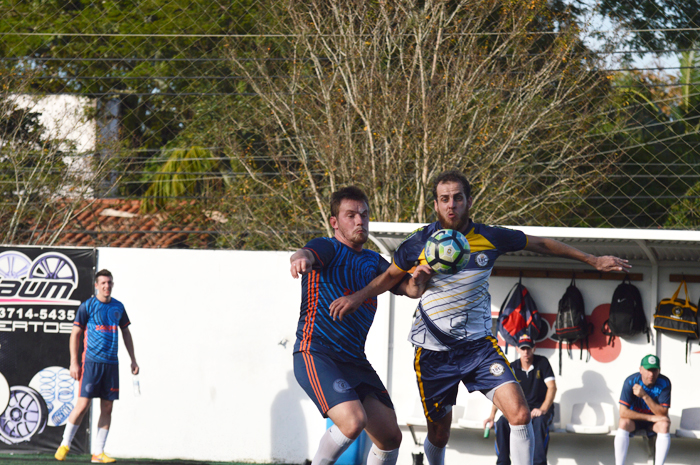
column 61, row 453
column 102, row 458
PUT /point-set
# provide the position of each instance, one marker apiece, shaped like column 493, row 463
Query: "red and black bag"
column 518, row 316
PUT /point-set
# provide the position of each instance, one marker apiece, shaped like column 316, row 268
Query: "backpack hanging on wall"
column 571, row 324
column 674, row 316
column 518, row 316
column 627, row 317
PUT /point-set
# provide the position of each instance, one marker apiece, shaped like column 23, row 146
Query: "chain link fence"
column 228, row 124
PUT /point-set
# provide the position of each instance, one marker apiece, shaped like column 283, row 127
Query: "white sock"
column 332, row 445
column 99, row 445
column 622, row 443
column 69, row 434
column 522, row 444
column 382, row 457
column 663, row 443
column 434, row 454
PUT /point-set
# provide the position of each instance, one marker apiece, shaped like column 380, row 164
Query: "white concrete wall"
column 214, row 331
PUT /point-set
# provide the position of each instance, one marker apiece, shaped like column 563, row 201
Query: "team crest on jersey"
column 482, row 259
column 341, row 386
column 497, row 369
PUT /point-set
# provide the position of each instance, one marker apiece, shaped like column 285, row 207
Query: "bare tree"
column 387, row 94
column 47, row 173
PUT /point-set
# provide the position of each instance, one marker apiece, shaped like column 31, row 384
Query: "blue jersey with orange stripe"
column 456, row 308
column 338, row 271
column 101, row 322
column 660, row 392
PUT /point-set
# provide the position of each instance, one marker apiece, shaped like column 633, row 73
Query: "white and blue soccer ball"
column 447, row 251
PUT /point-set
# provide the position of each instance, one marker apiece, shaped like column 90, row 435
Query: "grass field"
column 31, row 459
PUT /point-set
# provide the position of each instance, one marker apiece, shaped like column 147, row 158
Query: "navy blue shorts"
column 100, row 380
column 479, row 364
column 329, row 382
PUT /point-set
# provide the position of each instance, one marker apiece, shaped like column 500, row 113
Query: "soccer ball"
column 447, row 251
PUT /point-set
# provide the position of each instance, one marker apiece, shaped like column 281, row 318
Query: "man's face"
column 526, row 354
column 352, row 223
column 649, row 377
column 103, row 286
column 452, row 206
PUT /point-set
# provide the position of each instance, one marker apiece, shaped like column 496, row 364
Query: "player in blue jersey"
column 329, row 356
column 452, row 328
column 97, row 323
column 644, row 404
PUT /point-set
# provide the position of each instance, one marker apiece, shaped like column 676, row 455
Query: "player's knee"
column 353, row 427
column 663, row 426
column 520, row 416
column 626, row 424
column 438, row 435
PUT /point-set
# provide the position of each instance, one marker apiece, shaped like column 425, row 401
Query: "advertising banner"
column 40, row 291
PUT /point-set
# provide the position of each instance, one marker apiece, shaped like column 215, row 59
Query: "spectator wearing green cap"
column 644, row 404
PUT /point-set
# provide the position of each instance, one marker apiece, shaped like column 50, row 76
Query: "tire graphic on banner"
column 4, row 393
column 54, row 265
column 25, row 415
column 14, row 265
column 59, row 391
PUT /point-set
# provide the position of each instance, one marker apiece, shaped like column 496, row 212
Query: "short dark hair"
column 452, row 176
column 346, row 193
column 104, row 272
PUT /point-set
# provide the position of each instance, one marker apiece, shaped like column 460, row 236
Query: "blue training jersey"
column 456, row 308
column 660, row 392
column 338, row 271
column 101, row 323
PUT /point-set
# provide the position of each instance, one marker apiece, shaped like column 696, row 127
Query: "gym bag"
column 571, row 324
column 518, row 316
column 674, row 316
column 627, row 317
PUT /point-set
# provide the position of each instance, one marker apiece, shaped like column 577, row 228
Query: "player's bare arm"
column 74, row 346
column 301, row 262
column 553, row 247
column 656, row 408
column 382, row 283
column 129, row 344
column 548, row 399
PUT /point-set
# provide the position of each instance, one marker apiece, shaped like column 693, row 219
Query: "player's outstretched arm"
column 74, row 346
column 302, row 261
column 547, row 246
column 382, row 283
column 129, row 344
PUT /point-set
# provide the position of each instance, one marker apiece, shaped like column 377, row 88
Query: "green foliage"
column 184, row 173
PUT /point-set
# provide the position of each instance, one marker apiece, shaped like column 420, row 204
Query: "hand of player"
column 488, row 423
column 610, row 263
column 134, row 368
column 422, row 274
column 75, row 371
column 344, row 306
column 300, row 266
column 637, row 390
column 535, row 412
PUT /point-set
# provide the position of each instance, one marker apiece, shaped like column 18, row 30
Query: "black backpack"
column 519, row 316
column 571, row 324
column 627, row 317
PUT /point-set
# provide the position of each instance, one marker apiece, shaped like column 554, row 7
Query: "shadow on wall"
column 288, row 439
column 594, row 391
